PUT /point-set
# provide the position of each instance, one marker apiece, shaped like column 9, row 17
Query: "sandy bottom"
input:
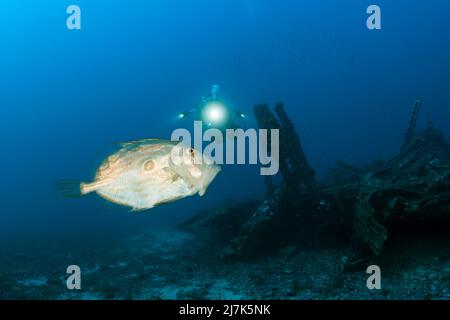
column 175, row 265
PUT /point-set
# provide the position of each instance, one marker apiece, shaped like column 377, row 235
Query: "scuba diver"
column 213, row 113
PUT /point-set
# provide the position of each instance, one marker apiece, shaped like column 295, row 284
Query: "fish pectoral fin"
column 173, row 176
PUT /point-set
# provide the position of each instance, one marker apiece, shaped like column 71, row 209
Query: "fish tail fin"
column 86, row 188
column 74, row 188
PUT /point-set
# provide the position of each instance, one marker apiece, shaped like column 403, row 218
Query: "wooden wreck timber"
column 410, row 132
column 294, row 166
column 412, row 186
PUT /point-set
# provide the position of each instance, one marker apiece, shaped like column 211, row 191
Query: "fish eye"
column 149, row 165
column 191, row 153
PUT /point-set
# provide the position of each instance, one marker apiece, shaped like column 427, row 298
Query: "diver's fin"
column 69, row 188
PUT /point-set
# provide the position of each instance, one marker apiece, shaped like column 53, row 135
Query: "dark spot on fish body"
column 149, row 165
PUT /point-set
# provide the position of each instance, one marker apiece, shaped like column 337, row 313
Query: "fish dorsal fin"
column 145, row 142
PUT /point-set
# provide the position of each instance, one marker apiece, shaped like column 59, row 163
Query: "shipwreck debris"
column 300, row 169
column 362, row 206
column 294, row 166
column 414, row 186
column 409, row 135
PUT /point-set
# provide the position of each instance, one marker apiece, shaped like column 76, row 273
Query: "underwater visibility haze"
column 364, row 164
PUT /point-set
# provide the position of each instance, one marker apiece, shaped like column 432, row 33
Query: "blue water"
column 68, row 97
